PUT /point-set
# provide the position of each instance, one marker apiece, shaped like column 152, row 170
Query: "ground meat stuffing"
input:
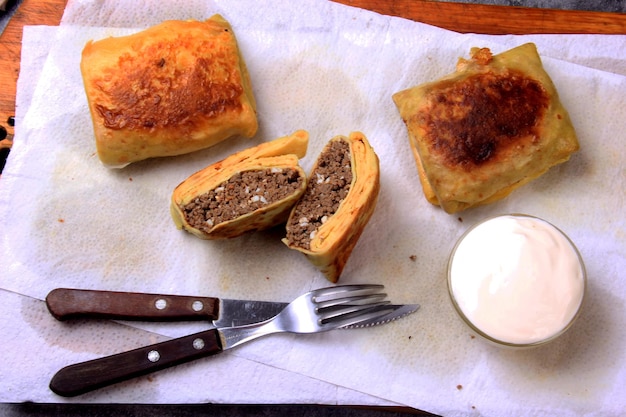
column 243, row 193
column 328, row 186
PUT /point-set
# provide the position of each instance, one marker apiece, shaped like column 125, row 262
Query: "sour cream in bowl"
column 516, row 280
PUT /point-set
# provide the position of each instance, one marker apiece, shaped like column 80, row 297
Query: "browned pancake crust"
column 174, row 88
column 481, row 118
column 493, row 125
column 165, row 93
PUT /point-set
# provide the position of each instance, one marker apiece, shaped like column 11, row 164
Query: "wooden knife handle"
column 65, row 303
column 87, row 376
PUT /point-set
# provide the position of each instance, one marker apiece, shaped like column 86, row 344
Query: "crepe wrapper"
column 469, row 153
column 336, row 238
column 174, row 88
column 283, row 152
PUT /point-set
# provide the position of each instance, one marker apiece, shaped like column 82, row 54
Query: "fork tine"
column 355, row 300
column 346, row 311
column 344, row 290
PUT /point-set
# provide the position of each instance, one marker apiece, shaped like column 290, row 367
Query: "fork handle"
column 87, row 376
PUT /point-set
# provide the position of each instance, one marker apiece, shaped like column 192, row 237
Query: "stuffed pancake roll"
column 251, row 190
column 340, row 199
column 171, row 89
column 490, row 127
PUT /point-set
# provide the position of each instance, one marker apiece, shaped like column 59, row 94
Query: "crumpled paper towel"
column 330, row 70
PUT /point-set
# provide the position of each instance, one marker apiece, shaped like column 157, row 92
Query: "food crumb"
column 61, row 220
column 472, row 336
column 413, row 258
column 459, row 387
column 130, row 179
column 267, row 278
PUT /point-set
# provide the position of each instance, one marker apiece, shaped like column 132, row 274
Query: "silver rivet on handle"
column 154, row 356
column 198, row 344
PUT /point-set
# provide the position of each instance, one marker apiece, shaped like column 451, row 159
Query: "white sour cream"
column 517, row 279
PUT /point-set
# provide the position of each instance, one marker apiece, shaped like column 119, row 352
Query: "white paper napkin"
column 331, row 70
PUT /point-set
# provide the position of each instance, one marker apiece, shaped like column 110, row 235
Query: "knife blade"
column 397, row 311
column 68, row 303
column 84, row 377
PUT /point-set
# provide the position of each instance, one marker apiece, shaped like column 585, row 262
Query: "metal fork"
column 316, row 311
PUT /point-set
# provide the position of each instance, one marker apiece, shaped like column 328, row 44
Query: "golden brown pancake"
column 486, row 129
column 174, row 88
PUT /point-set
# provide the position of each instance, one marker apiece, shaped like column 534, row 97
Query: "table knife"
column 68, row 303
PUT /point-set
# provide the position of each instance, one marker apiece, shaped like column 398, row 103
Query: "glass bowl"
column 516, row 280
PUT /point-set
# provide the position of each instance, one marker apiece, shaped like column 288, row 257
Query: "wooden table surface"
column 454, row 16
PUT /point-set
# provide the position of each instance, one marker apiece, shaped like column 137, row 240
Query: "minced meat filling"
column 327, row 188
column 243, row 193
